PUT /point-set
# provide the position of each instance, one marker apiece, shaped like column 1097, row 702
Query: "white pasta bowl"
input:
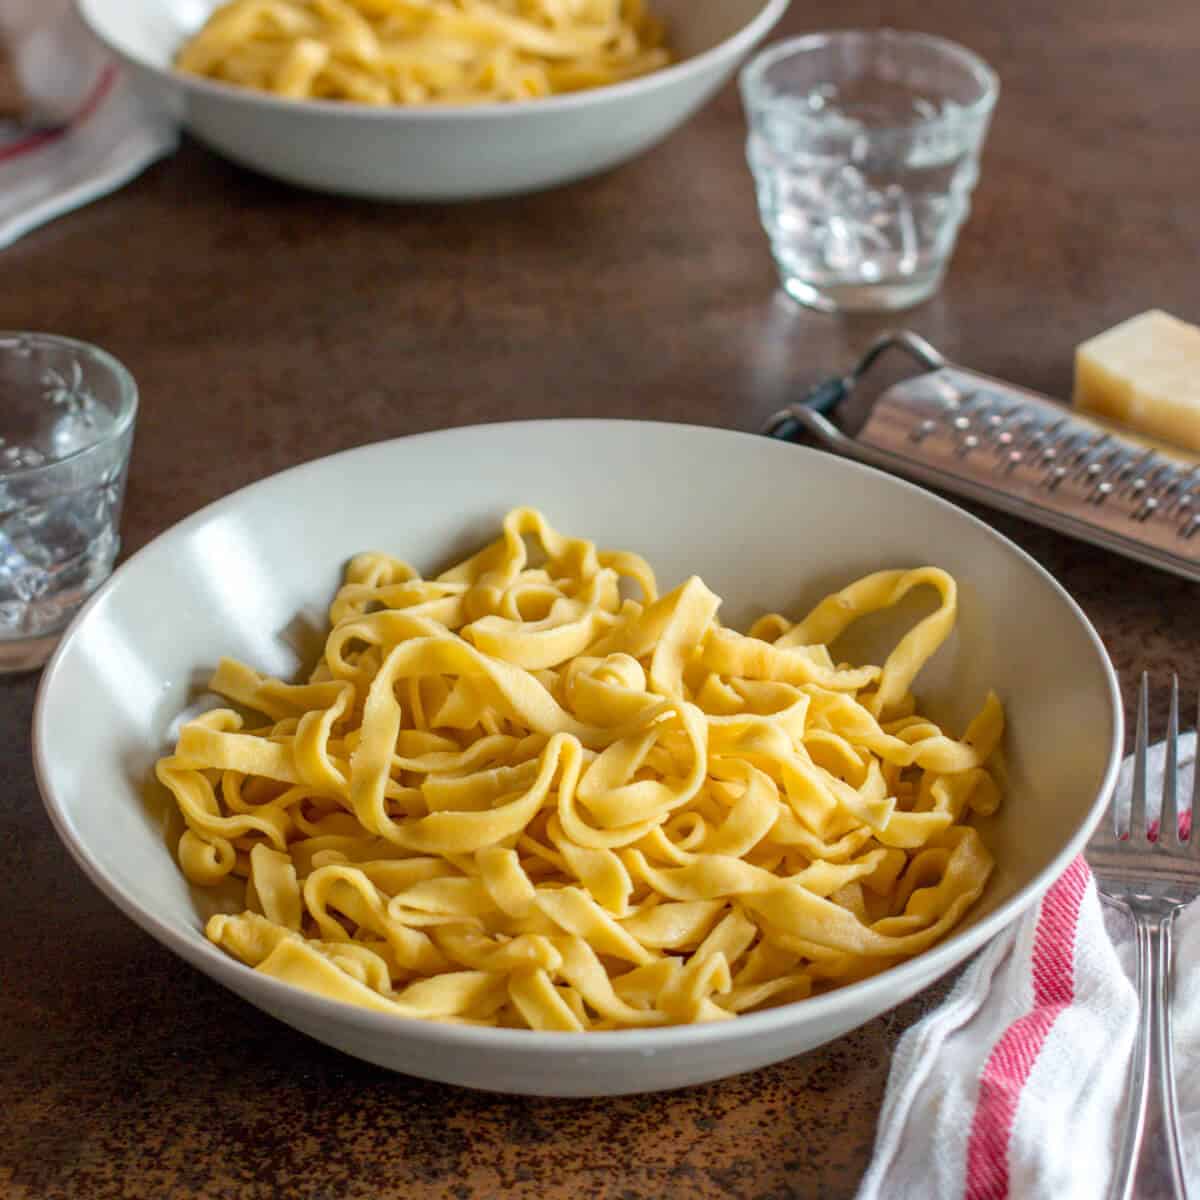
column 768, row 526
column 442, row 153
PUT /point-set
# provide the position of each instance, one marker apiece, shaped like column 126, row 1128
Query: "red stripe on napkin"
column 1012, row 1058
column 36, row 141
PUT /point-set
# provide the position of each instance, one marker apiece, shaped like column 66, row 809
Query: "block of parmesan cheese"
column 1144, row 373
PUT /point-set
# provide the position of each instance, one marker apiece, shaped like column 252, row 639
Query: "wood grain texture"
column 268, row 326
column 12, row 103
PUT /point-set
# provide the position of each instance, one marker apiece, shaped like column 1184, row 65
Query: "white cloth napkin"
column 1015, row 1086
column 94, row 131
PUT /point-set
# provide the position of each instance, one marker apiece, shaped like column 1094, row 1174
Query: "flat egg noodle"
column 513, row 795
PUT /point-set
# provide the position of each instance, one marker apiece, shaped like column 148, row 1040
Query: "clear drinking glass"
column 66, row 427
column 865, row 149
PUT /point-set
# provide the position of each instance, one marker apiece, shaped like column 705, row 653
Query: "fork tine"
column 1137, row 807
column 1168, row 821
column 1194, row 832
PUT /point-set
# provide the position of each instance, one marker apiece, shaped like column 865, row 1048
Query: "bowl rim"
column 884, row 990
column 735, row 45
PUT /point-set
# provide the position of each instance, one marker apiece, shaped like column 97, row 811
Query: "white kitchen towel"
column 1015, row 1086
column 91, row 129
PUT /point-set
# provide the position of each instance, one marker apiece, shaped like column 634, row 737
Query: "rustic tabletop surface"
column 267, row 326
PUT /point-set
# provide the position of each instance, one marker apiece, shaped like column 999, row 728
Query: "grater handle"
column 829, row 394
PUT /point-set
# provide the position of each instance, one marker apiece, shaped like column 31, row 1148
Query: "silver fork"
column 1152, row 881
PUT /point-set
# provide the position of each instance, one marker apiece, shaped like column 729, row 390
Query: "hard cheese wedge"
column 1144, row 373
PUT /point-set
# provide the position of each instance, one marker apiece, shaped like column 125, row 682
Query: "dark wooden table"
column 267, row 326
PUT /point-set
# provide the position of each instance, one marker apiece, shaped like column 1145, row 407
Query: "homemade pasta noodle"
column 509, row 795
column 425, row 51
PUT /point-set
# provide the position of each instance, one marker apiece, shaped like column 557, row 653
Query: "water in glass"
column 61, row 484
column 864, row 148
column 848, row 210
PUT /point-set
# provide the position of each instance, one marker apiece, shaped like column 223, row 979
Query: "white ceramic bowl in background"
column 437, row 153
column 769, row 527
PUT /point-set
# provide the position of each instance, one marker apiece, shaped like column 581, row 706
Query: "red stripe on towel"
column 1012, row 1058
column 36, row 141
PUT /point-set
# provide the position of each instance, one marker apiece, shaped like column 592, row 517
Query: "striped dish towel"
column 89, row 130
column 1016, row 1085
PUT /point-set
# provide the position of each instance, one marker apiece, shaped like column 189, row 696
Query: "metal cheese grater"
column 1015, row 450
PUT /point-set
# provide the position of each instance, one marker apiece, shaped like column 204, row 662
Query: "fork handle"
column 1151, row 1141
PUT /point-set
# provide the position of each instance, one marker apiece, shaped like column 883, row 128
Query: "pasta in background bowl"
column 425, row 51
column 774, row 528
column 396, row 112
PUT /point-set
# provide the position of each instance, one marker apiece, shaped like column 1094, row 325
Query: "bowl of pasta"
column 577, row 773
column 431, row 99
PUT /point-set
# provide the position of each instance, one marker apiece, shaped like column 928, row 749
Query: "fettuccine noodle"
column 509, row 796
column 425, row 51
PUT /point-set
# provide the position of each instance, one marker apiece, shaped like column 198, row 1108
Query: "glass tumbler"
column 67, row 413
column 864, row 147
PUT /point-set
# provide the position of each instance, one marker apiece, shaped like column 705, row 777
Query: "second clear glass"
column 67, row 413
column 865, row 147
